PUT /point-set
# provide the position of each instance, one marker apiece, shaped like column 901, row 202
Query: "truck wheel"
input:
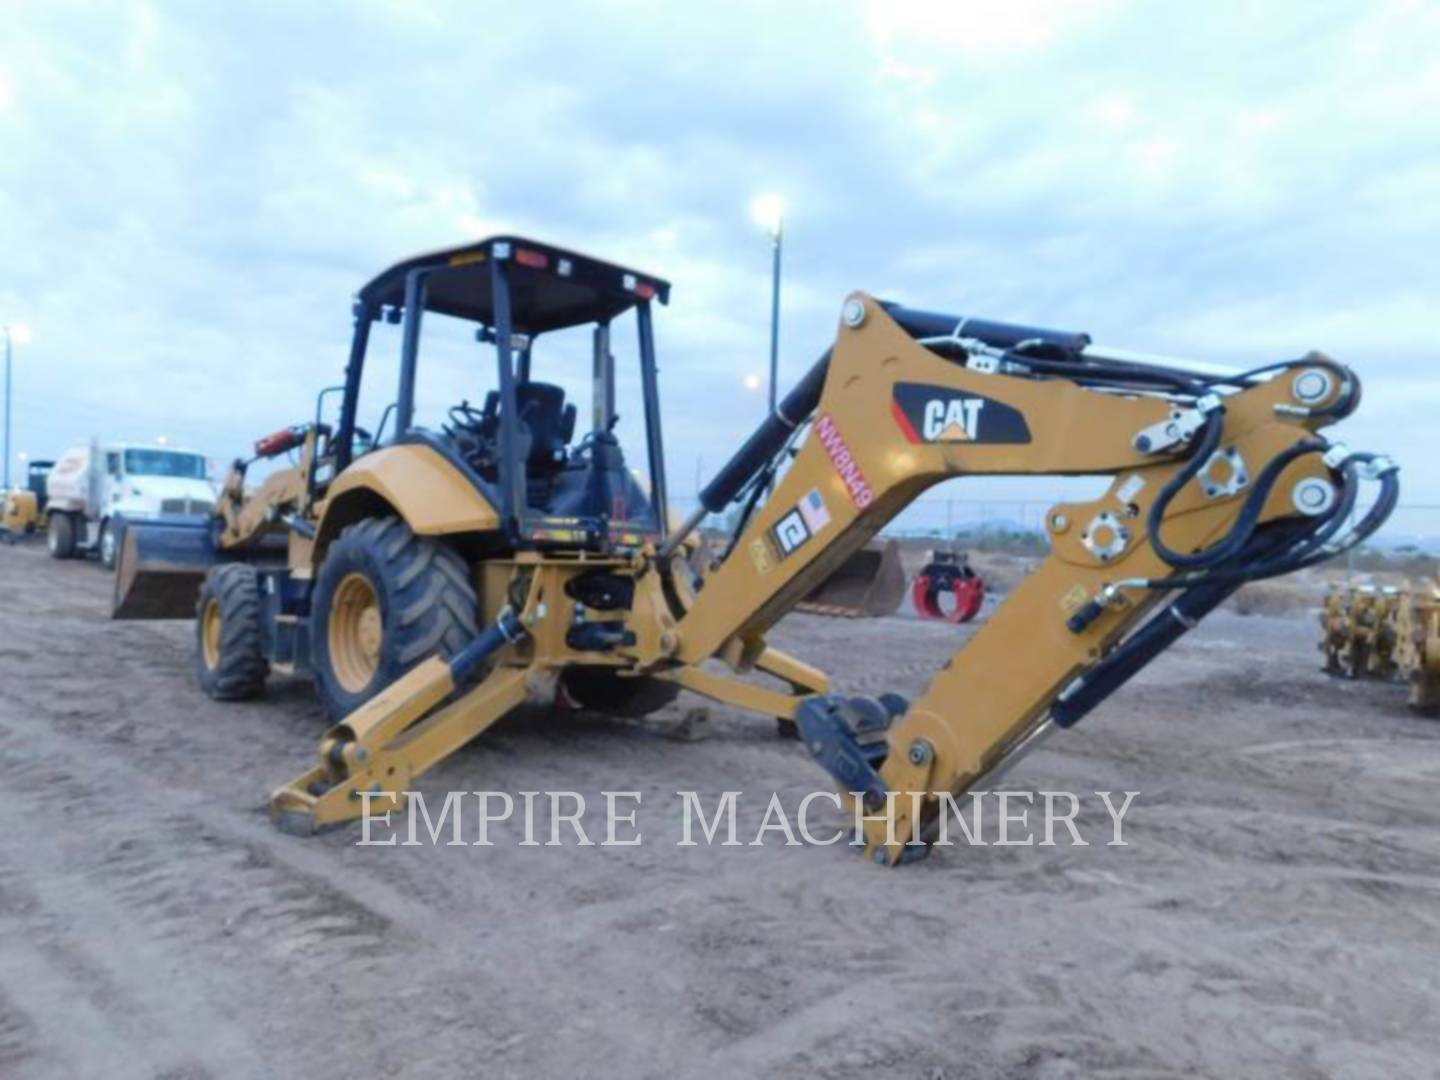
column 109, row 547
column 385, row 599
column 602, row 690
column 60, row 537
column 229, row 659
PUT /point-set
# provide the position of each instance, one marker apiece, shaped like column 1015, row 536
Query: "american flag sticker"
column 812, row 509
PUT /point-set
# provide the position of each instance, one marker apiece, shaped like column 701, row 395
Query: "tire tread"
column 432, row 603
column 243, row 668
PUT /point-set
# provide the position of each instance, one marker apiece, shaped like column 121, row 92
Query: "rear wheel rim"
column 210, row 626
column 356, row 633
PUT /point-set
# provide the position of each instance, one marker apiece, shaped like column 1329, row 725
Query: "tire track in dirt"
column 1224, row 940
column 215, row 904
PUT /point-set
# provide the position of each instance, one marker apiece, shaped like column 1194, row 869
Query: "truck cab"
column 93, row 491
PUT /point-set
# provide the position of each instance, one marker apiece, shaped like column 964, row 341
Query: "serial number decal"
column 861, row 493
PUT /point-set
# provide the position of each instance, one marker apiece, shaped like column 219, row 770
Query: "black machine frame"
column 515, row 289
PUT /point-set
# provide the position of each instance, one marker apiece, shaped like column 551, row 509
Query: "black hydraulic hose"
column 1309, row 550
column 765, row 442
column 1246, row 562
column 1341, row 408
column 999, row 335
column 1366, row 527
column 1245, row 378
column 1249, row 515
column 1113, row 374
column 1245, row 568
column 757, row 491
column 505, row 630
column 1333, row 520
column 1209, row 440
column 1155, row 636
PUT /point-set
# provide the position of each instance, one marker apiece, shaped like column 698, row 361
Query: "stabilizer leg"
column 330, row 793
column 385, row 744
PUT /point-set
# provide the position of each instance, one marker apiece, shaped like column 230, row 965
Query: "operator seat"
column 548, row 420
column 546, row 426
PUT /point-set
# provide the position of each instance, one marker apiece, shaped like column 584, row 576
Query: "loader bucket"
column 162, row 564
column 869, row 584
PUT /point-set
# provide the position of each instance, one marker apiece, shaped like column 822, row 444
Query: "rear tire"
column 230, row 661
column 385, row 599
column 60, row 537
column 600, row 689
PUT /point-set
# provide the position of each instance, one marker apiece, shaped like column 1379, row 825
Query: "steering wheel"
column 465, row 417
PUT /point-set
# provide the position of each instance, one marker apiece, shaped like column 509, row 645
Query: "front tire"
column 385, row 599
column 60, row 537
column 109, row 548
column 230, row 660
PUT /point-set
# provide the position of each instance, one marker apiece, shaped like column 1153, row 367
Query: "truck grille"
column 186, row 506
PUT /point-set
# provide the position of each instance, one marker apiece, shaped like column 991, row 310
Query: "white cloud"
column 189, row 193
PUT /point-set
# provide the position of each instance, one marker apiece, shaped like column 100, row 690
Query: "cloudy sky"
column 190, row 192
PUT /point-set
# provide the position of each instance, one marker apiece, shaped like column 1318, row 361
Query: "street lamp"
column 18, row 334
column 769, row 212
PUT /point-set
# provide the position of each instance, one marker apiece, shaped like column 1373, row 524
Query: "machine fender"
column 412, row 481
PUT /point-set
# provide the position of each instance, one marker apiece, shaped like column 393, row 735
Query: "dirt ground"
column 1277, row 910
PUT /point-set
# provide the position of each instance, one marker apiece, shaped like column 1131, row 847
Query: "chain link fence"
column 1019, row 524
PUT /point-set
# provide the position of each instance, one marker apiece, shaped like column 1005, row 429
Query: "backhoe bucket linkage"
column 848, row 736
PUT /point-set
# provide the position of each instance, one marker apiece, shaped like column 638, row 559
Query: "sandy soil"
column 1276, row 913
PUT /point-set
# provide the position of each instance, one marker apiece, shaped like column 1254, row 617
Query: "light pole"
column 769, row 211
column 19, row 335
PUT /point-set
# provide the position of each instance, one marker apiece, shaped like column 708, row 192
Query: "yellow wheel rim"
column 356, row 633
column 210, row 633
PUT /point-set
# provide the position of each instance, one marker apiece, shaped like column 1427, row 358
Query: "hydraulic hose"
column 1157, row 634
column 765, row 442
column 1310, row 549
column 1209, row 440
column 1245, row 523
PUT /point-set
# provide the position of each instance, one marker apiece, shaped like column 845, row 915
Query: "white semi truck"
column 94, row 490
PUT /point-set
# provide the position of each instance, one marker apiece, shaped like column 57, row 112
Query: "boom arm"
column 1238, row 486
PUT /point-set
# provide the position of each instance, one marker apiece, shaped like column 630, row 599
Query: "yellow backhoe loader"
column 435, row 578
column 22, row 508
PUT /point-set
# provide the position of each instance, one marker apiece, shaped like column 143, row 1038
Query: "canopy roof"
column 550, row 288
